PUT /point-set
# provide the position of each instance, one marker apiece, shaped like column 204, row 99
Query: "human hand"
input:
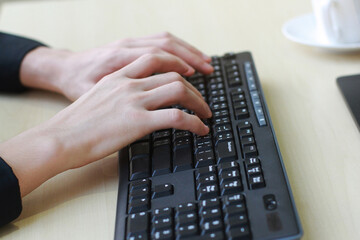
column 73, row 74
column 119, row 109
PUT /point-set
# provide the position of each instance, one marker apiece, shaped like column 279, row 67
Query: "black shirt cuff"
column 13, row 49
column 10, row 197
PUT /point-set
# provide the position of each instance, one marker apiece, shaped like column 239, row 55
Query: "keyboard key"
column 233, row 199
column 256, row 182
column 237, row 91
column 161, row 134
column 253, row 170
column 185, row 208
column 221, row 114
column 246, row 133
column 219, row 235
column 233, row 210
column 223, row 137
column 182, row 156
column 221, row 121
column 165, row 234
column 219, row 106
column 209, row 203
column 205, row 171
column 225, row 151
column 137, row 224
column 186, row 219
column 250, row 151
column 227, row 176
column 212, row 226
column 139, row 205
column 137, row 236
column 218, row 99
column 234, row 81
column 216, row 93
column 241, row 113
column 140, row 167
column 161, row 212
column 236, row 221
column 251, row 161
column 246, row 141
column 238, row 97
column 161, row 157
column 244, row 125
column 139, row 184
column 181, row 134
column 139, row 193
column 215, row 80
column 231, row 187
column 208, row 214
column 187, row 230
column 207, row 180
column 221, row 129
column 203, row 145
column 204, row 158
column 239, row 105
column 241, row 233
column 209, row 191
column 139, row 150
column 162, row 190
column 162, row 223
column 228, row 166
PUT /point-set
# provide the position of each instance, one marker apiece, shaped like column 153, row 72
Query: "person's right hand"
column 122, row 107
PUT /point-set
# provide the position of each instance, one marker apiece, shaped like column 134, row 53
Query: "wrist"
column 42, row 68
column 35, row 156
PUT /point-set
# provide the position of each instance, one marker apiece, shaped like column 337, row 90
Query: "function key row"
column 209, row 219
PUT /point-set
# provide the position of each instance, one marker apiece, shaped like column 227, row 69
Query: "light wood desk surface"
column 319, row 141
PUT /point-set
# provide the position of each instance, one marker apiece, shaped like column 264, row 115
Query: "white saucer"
column 302, row 30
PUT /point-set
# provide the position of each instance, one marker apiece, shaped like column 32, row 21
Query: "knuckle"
column 167, row 43
column 154, row 50
column 176, row 116
column 180, row 90
column 151, row 57
column 166, row 34
column 176, row 77
column 124, row 41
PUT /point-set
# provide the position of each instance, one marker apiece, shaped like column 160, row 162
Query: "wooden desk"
column 318, row 139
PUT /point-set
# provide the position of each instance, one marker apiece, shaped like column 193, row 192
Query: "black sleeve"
column 10, row 197
column 12, row 51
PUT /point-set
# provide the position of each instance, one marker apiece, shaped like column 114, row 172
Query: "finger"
column 149, row 64
column 177, row 93
column 152, row 82
column 177, row 49
column 128, row 55
column 180, row 41
column 175, row 118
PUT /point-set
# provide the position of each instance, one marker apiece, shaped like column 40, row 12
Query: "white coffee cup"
column 337, row 21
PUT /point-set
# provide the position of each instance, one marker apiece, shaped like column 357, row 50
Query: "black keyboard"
column 229, row 184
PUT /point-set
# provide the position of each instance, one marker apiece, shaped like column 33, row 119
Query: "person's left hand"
column 73, row 74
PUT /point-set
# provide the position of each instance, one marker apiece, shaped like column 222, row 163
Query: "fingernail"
column 207, row 68
column 207, row 130
column 189, row 72
column 209, row 111
column 206, row 58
